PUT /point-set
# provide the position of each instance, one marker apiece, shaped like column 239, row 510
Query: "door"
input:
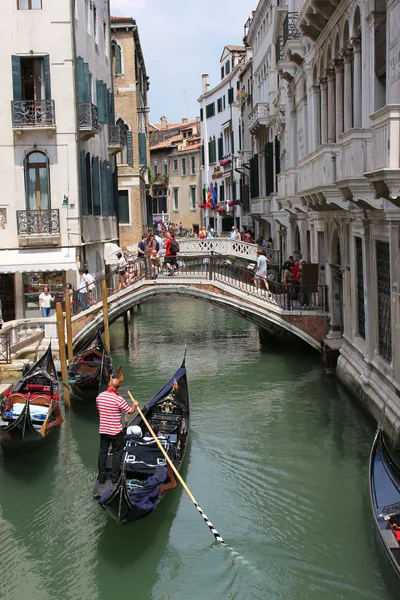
column 37, row 182
column 33, row 80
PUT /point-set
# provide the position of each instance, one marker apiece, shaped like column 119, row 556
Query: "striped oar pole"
column 211, row 527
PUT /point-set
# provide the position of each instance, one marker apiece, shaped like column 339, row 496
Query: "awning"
column 110, row 253
column 25, row 261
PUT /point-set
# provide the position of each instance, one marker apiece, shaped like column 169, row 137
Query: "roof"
column 161, row 127
column 236, row 48
column 190, row 148
column 167, row 143
column 121, row 18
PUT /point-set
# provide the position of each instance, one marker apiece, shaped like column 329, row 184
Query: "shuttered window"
column 212, row 153
column 89, row 184
column 105, row 208
column 202, row 155
column 102, row 101
column 142, row 149
column 16, row 77
column 269, row 168
column 220, row 147
column 83, row 184
column 87, row 91
column 80, row 78
column 230, row 95
column 111, row 210
column 193, row 165
column 254, row 176
column 219, row 105
column 116, row 59
column 47, row 83
column 227, row 67
column 183, row 166
column 96, row 186
column 210, row 110
column 201, row 114
column 129, row 148
column 111, row 111
column 123, row 205
column 222, row 72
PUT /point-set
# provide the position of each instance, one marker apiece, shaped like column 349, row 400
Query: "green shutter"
column 47, row 84
column 118, row 60
column 230, row 95
column 16, row 77
column 96, row 186
column 86, row 83
column 83, row 184
column 100, row 101
column 90, row 88
column 104, row 190
column 105, row 100
column 233, row 142
column 123, row 205
column 129, row 148
column 80, row 78
column 109, row 189
column 142, row 150
column 111, row 110
column 202, row 155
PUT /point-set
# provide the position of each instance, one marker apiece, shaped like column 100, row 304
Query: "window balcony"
column 354, row 162
column 385, row 174
column 259, row 117
column 116, row 139
column 33, row 114
column 293, row 47
column 88, row 120
column 38, row 227
column 318, row 173
column 260, row 205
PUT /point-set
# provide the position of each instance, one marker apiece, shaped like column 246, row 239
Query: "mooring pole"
column 62, row 352
column 105, row 315
column 68, row 323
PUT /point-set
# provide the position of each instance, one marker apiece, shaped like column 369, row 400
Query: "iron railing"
column 290, row 31
column 279, row 53
column 116, row 135
column 33, row 222
column 88, row 116
column 33, row 113
column 5, row 348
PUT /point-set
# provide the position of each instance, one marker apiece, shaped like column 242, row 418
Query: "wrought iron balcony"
column 116, row 135
column 38, row 222
column 33, row 113
column 290, row 31
column 88, row 119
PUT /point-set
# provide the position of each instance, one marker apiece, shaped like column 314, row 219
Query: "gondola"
column 384, row 481
column 145, row 476
column 89, row 369
column 30, row 410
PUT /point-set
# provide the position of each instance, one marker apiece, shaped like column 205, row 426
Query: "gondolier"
column 111, row 406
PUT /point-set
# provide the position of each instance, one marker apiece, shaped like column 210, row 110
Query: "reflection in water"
column 278, row 460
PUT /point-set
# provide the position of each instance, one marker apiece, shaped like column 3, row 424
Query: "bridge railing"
column 226, row 247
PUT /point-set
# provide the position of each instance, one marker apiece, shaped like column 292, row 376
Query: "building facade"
column 326, row 109
column 221, row 137
column 57, row 166
column 131, row 86
column 176, row 172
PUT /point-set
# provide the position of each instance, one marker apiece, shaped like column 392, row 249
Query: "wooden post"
column 61, row 348
column 69, row 327
column 105, row 315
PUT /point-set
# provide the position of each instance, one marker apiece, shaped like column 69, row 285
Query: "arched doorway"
column 336, row 285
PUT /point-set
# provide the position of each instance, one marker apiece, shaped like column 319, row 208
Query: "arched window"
column 37, row 178
column 122, row 157
column 116, row 57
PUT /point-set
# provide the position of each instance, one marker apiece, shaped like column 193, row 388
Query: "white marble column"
column 331, row 106
column 339, row 95
column 324, row 111
column 357, row 107
column 316, row 117
column 348, row 92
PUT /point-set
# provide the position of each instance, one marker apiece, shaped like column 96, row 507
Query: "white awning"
column 25, row 261
column 110, row 253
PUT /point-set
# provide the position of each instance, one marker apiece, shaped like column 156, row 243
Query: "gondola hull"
column 173, row 429
column 384, row 481
column 31, row 409
column 90, row 370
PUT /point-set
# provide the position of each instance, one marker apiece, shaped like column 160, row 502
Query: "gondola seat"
column 143, row 458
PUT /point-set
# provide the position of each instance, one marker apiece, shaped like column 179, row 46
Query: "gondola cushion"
column 396, row 534
column 141, row 458
column 36, row 412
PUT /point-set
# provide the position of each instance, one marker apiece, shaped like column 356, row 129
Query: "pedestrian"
column 82, row 289
column 233, row 233
column 121, row 271
column 141, row 248
column 171, row 249
column 270, row 243
column 69, row 294
column 210, row 232
column 237, row 235
column 91, row 288
column 247, row 237
column 111, row 406
column 261, row 273
column 202, row 234
column 45, row 300
column 160, row 251
column 260, row 240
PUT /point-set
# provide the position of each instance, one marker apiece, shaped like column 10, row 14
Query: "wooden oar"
column 185, row 487
column 44, row 426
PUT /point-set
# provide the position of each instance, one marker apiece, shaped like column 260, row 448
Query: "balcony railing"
column 290, row 31
column 116, row 135
column 259, row 116
column 88, row 116
column 33, row 113
column 279, row 53
column 35, row 222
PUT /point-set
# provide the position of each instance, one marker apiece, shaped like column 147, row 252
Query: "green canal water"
column 278, row 459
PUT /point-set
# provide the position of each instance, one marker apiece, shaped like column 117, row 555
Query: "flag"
column 213, row 197
column 209, row 198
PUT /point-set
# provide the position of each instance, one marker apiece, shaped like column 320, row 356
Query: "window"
column 219, row 105
column 105, row 38
column 360, row 287
column 165, row 167
column 95, row 22
column 175, row 164
column 227, row 67
column 176, row 198
column 222, row 72
column 37, row 181
column 29, row 4
column 96, row 186
column 193, row 165
column 384, row 300
column 116, row 58
column 210, row 110
column 201, row 114
column 223, row 102
column 89, row 184
column 193, row 197
column 230, row 95
column 122, row 157
column 183, row 166
column 212, row 154
column 123, row 204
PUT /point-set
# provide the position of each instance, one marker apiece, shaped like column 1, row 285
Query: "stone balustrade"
column 319, row 169
column 355, row 153
column 385, row 125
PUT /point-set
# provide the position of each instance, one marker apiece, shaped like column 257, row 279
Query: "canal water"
column 278, row 459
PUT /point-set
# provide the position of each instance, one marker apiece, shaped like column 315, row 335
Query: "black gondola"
column 384, row 481
column 91, row 368
column 30, row 410
column 145, row 476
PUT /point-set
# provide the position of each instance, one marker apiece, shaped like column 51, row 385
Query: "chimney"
column 206, row 83
column 184, row 120
column 164, row 123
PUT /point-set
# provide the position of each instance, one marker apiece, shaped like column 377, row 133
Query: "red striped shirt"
column 110, row 406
